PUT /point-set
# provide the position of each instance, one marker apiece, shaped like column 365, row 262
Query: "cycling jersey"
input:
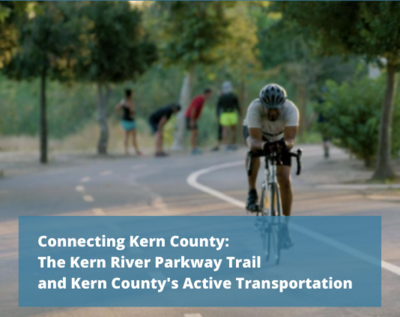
column 272, row 130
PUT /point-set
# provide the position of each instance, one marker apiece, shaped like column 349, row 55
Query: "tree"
column 116, row 50
column 370, row 29
column 237, row 54
column 192, row 32
column 46, row 41
column 283, row 45
column 9, row 12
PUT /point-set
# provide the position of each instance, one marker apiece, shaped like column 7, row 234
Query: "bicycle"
column 269, row 220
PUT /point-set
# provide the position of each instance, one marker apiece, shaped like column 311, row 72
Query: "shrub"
column 353, row 113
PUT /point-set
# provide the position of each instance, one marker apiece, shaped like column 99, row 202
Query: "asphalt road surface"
column 210, row 184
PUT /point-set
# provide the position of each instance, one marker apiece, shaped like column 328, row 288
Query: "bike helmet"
column 273, row 96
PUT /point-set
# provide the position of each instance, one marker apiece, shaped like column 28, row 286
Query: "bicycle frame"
column 271, row 180
column 268, row 220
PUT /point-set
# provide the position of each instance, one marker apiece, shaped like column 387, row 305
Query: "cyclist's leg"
column 252, row 197
column 252, row 179
column 285, row 187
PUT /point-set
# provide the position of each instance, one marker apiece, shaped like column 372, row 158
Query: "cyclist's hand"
column 277, row 146
column 281, row 146
column 269, row 147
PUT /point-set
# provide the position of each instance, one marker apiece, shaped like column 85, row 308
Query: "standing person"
column 322, row 120
column 157, row 121
column 127, row 107
column 272, row 120
column 219, row 131
column 192, row 115
column 229, row 110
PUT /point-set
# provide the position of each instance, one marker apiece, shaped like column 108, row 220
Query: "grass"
column 84, row 141
column 310, row 137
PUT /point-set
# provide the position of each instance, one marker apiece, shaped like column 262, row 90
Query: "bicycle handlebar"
column 298, row 159
column 253, row 154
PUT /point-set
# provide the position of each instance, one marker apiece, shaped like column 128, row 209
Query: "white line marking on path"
column 85, row 179
column 88, row 198
column 360, row 186
column 105, row 173
column 80, row 188
column 192, row 181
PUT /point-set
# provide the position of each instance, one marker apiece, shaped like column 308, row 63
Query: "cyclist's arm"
column 289, row 136
column 254, row 141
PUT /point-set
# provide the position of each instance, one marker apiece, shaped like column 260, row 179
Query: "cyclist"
column 272, row 122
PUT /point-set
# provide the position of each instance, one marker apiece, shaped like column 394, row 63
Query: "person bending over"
column 157, row 121
column 192, row 115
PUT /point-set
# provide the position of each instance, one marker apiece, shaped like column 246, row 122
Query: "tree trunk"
column 301, row 102
column 184, row 101
column 102, row 96
column 383, row 169
column 242, row 94
column 43, row 117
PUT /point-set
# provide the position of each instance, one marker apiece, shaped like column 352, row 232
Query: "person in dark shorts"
column 193, row 114
column 157, row 121
column 126, row 108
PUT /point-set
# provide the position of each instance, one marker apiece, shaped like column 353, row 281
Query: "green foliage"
column 352, row 111
column 192, row 30
column 70, row 108
column 9, row 12
column 370, row 29
column 4, row 12
column 47, row 42
column 115, row 47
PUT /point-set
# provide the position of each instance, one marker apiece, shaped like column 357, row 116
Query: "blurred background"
column 64, row 67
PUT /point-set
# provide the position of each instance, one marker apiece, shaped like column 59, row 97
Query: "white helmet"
column 273, row 96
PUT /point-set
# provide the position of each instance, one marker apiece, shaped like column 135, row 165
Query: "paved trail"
column 149, row 186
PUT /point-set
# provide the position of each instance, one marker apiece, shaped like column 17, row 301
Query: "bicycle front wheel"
column 274, row 224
